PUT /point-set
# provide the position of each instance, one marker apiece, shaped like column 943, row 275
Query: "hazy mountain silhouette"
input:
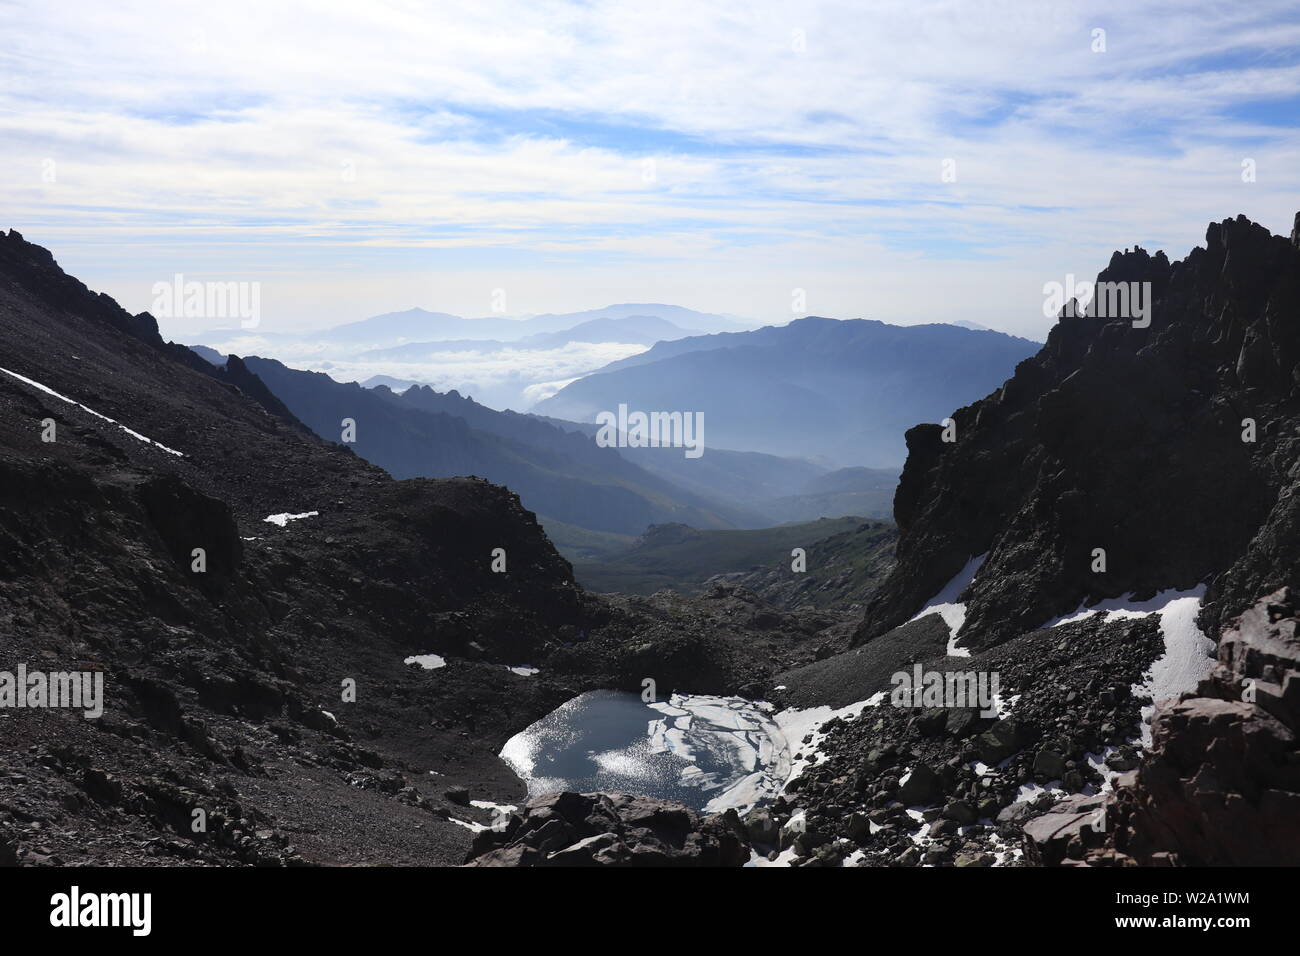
column 847, row 491
column 844, row 391
column 423, row 433
column 634, row 330
column 744, row 477
column 210, row 355
column 418, row 325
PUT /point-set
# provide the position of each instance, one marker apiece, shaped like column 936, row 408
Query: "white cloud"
column 398, row 153
column 507, row 378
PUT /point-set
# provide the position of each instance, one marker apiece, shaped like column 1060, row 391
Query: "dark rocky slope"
column 841, row 390
column 1127, row 439
column 218, row 683
column 1112, row 437
column 948, row 786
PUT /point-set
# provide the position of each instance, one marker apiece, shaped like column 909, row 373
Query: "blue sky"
column 358, row 158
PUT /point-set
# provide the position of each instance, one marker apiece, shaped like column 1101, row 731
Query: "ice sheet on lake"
column 709, row 752
column 712, row 753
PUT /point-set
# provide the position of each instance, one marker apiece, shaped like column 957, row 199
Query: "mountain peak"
column 1032, row 479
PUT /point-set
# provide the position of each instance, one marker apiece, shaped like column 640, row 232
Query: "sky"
column 914, row 161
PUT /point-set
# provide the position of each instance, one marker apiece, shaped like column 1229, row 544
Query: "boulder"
column 599, row 829
column 1000, row 741
column 922, row 787
column 1047, row 837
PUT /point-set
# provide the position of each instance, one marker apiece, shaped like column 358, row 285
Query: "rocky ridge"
column 1124, row 439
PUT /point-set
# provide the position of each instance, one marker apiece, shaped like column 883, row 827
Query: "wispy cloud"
column 721, row 155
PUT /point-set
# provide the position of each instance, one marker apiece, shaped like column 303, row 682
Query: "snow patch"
column 1005, row 707
column 496, row 807
column 1125, row 608
column 469, row 825
column 946, row 605
column 285, row 517
column 430, row 662
column 784, row 858
column 63, row 398
column 1005, row 854
column 522, row 671
column 797, row 724
column 1029, row 792
column 1187, row 660
column 1188, row 657
column 1098, row 763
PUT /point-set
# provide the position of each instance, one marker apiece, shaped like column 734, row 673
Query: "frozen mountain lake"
column 706, row 752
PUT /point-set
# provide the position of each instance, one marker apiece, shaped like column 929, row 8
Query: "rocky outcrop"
column 1222, row 784
column 1166, row 451
column 951, row 786
column 1129, row 439
column 598, row 829
column 1066, row 830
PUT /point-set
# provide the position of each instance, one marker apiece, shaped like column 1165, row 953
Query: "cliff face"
column 1124, row 439
column 1172, row 449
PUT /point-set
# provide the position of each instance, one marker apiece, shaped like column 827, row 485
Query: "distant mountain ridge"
column 417, row 325
column 424, row 433
column 632, row 330
column 839, row 390
column 676, row 556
